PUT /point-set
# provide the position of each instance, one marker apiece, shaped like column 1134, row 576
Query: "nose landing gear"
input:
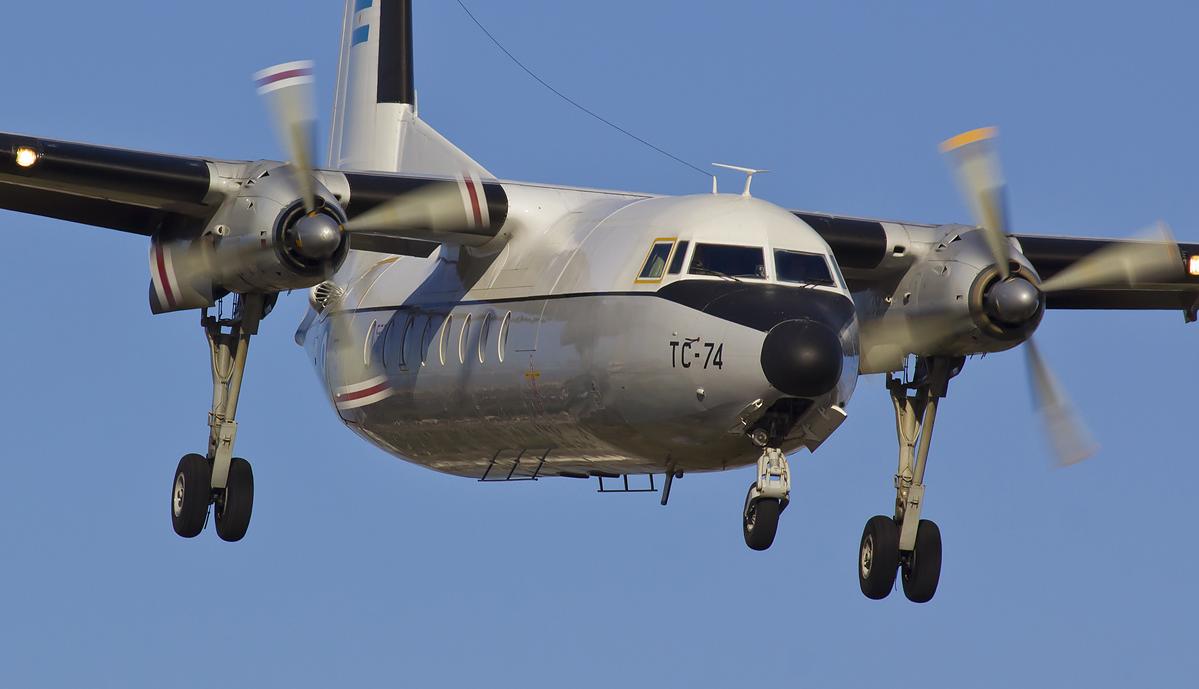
column 767, row 498
column 219, row 478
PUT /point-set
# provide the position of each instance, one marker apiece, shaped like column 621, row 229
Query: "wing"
column 112, row 188
column 144, row 193
column 874, row 254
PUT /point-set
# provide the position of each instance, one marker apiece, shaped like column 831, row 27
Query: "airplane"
column 502, row 330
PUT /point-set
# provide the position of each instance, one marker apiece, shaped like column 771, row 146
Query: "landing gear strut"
column 767, row 497
column 906, row 542
column 219, row 478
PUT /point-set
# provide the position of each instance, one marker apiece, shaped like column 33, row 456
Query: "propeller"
column 430, row 209
column 288, row 92
column 1014, row 300
column 981, row 183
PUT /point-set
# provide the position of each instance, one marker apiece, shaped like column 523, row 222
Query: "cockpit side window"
column 655, row 263
column 725, row 260
column 805, row 269
column 676, row 263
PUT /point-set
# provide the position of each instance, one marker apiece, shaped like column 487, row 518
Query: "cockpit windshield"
column 730, row 261
column 806, row 269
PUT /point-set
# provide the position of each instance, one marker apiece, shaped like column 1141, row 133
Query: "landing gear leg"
column 229, row 480
column 907, row 542
column 767, row 498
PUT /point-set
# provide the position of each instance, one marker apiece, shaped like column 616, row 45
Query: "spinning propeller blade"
column 977, row 169
column 287, row 89
column 436, row 207
column 1069, row 438
column 1154, row 257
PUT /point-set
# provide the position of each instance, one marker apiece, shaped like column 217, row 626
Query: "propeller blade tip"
column 967, row 138
column 282, row 75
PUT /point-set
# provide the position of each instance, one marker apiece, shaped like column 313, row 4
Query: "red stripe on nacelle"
column 162, row 276
column 474, row 200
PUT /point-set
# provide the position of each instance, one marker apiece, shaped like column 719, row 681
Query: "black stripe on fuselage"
column 760, row 306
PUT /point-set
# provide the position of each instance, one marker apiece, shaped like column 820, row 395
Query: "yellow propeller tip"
column 967, row 138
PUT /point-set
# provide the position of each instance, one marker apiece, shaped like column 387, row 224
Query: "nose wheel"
column 767, row 498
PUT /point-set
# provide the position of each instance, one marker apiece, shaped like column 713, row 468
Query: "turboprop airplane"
column 501, row 330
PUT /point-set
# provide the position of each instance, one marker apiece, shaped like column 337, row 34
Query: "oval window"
column 402, row 351
column 369, row 343
column 501, row 342
column 484, row 327
column 426, row 338
column 445, row 337
column 462, row 337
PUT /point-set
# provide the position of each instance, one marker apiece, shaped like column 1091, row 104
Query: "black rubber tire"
column 235, row 506
column 922, row 567
column 760, row 521
column 878, row 567
column 191, row 493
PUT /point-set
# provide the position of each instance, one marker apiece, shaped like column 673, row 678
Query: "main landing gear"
column 906, row 545
column 768, row 495
column 218, row 478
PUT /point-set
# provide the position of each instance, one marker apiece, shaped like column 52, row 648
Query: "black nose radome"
column 802, row 358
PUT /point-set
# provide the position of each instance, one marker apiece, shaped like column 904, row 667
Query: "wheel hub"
column 867, row 557
column 177, row 503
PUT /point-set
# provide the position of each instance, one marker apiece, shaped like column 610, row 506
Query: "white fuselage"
column 545, row 351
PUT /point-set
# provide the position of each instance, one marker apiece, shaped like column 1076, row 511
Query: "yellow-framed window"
column 656, row 260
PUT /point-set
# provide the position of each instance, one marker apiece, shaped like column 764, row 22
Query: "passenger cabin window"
column 725, row 260
column 805, row 269
column 655, row 263
column 676, row 263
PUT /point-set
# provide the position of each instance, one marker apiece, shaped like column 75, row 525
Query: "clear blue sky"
column 361, row 570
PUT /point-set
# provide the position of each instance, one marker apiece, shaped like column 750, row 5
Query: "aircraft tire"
column 878, row 557
column 760, row 521
column 922, row 568
column 236, row 505
column 191, row 494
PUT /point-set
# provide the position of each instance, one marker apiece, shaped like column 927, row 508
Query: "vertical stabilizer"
column 375, row 125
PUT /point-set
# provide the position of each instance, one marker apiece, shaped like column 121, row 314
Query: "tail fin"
column 375, row 124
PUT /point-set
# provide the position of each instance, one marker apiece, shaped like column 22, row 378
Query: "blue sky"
column 361, row 570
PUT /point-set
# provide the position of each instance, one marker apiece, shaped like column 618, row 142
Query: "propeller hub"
column 1014, row 301
column 317, row 236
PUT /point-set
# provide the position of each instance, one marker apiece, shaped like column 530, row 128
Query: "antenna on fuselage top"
column 749, row 176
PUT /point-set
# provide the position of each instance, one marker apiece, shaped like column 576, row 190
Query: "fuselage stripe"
column 351, row 396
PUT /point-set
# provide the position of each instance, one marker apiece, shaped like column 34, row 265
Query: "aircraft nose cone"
column 317, row 236
column 802, row 358
column 1014, row 301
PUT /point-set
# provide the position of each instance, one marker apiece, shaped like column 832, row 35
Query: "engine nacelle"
column 953, row 302
column 260, row 241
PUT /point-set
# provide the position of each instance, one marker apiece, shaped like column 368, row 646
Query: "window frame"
column 679, row 253
column 673, row 241
column 832, row 271
column 767, row 264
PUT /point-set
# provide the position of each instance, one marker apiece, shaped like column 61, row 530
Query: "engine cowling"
column 954, row 302
column 261, row 240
